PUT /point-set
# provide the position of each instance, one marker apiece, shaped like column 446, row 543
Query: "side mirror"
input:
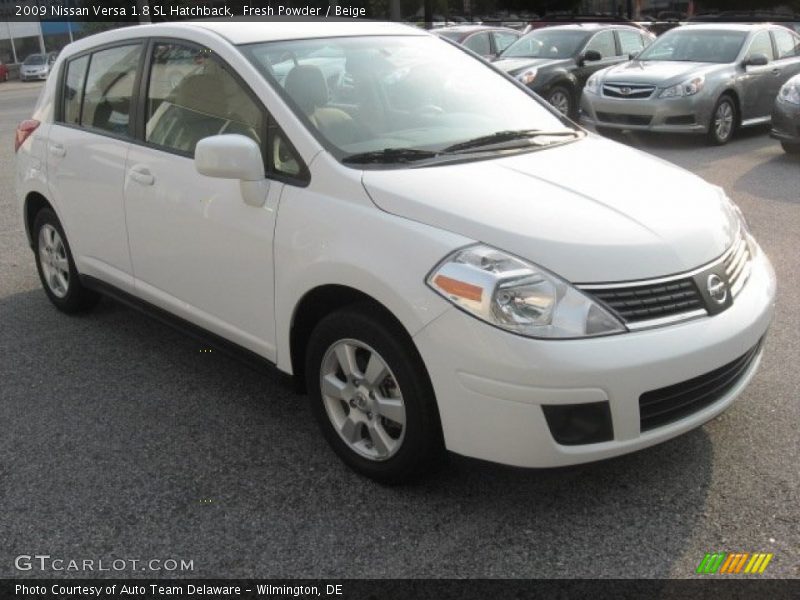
column 591, row 56
column 633, row 55
column 755, row 60
column 233, row 156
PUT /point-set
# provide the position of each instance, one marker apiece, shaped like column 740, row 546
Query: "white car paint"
column 146, row 222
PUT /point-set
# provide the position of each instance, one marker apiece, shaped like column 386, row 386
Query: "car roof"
column 726, row 26
column 249, row 32
column 469, row 28
column 587, row 27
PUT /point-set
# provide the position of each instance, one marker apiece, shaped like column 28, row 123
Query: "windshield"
column 546, row 43
column 369, row 94
column 696, row 45
column 34, row 59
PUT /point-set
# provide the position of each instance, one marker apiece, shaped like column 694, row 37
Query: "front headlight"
column 518, row 296
column 592, row 85
column 527, row 76
column 687, row 88
column 790, row 92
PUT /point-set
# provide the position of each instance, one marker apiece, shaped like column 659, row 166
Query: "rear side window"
column 786, row 43
column 109, row 87
column 73, row 89
column 192, row 96
column 630, row 42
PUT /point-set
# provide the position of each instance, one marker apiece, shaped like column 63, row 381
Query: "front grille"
column 622, row 119
column 674, row 402
column 737, row 265
column 680, row 120
column 630, row 91
column 653, row 301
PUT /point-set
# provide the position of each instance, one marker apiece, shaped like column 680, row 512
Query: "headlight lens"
column 790, row 92
column 527, row 76
column 687, row 88
column 518, row 296
column 592, row 85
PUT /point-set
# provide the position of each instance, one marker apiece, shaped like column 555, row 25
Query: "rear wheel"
column 57, row 268
column 790, row 148
column 723, row 121
column 372, row 397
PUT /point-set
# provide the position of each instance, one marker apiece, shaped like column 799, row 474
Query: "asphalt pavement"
column 121, row 439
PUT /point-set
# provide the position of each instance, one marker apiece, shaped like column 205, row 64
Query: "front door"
column 197, row 249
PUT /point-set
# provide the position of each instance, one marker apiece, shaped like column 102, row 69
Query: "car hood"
column 515, row 65
column 658, row 72
column 591, row 210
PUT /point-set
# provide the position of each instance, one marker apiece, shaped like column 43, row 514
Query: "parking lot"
column 121, row 438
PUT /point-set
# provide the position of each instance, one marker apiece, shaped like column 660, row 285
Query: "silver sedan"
column 707, row 79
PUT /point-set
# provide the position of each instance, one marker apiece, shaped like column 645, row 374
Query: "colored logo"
column 731, row 563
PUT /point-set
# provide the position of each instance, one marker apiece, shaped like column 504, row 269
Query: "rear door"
column 86, row 153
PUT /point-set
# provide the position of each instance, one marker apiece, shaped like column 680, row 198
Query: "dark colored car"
column 3, row 72
column 786, row 116
column 487, row 41
column 555, row 62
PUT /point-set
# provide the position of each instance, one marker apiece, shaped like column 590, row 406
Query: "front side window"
column 73, row 89
column 191, row 95
column 690, row 44
column 761, row 44
column 547, row 43
column 503, row 40
column 109, row 88
column 630, row 42
column 603, row 43
column 479, row 44
column 366, row 94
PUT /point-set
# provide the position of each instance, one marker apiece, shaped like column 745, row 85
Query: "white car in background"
column 408, row 237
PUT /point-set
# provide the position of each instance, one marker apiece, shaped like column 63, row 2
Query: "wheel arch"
column 321, row 301
column 34, row 202
column 734, row 95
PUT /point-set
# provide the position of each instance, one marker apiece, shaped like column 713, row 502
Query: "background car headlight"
column 527, row 76
column 687, row 88
column 592, row 85
column 519, row 296
column 790, row 92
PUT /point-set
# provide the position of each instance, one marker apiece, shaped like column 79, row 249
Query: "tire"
column 56, row 266
column 790, row 148
column 561, row 98
column 382, row 422
column 723, row 121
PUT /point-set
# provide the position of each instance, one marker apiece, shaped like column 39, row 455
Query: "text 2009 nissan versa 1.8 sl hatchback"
column 400, row 226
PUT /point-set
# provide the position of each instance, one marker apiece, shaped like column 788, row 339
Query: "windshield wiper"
column 507, row 136
column 390, row 155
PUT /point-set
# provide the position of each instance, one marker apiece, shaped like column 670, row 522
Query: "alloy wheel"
column 723, row 120
column 363, row 399
column 53, row 258
column 560, row 100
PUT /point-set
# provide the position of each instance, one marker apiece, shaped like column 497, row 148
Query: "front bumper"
column 676, row 115
column 37, row 75
column 491, row 385
column 786, row 122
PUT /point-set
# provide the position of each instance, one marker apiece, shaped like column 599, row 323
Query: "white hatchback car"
column 440, row 257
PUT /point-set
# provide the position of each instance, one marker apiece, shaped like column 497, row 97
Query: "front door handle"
column 142, row 175
column 776, row 71
column 57, row 149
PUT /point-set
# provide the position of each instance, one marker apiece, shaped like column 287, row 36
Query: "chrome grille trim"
column 635, row 91
column 735, row 262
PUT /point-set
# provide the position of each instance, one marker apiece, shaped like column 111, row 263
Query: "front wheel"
column 790, row 148
column 56, row 266
column 372, row 397
column 723, row 121
column 561, row 99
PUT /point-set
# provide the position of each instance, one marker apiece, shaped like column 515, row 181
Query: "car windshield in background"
column 34, row 59
column 545, row 43
column 400, row 98
column 696, row 45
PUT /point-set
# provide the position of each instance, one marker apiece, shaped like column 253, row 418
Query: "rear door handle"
column 57, row 149
column 142, row 175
